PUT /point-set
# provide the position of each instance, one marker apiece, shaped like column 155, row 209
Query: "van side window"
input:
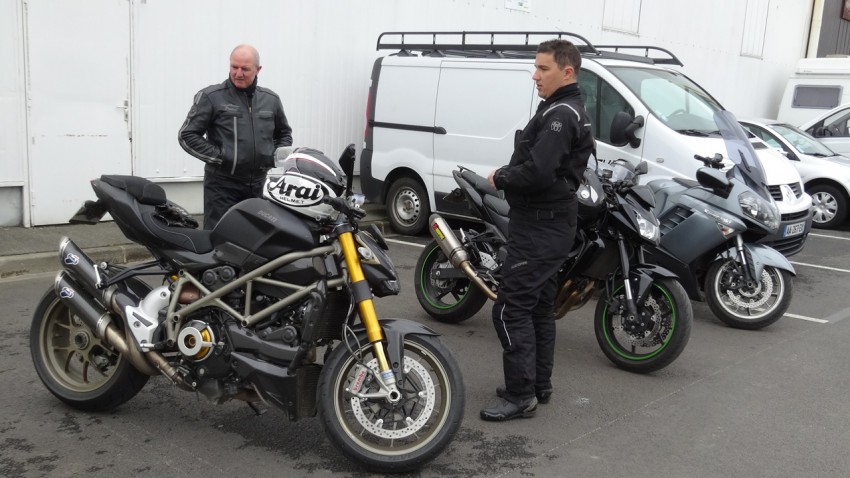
column 602, row 102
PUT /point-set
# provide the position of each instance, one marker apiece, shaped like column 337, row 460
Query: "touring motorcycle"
column 643, row 316
column 246, row 310
column 709, row 233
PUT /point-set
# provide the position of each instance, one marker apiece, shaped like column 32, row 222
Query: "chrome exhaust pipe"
column 457, row 255
column 97, row 318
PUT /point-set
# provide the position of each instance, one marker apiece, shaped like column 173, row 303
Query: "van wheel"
column 829, row 206
column 408, row 206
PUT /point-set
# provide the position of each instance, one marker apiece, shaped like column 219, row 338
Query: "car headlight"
column 759, row 210
column 647, row 228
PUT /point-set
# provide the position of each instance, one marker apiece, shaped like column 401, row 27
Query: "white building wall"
column 13, row 128
column 317, row 55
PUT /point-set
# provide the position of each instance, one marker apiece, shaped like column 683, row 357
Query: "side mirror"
column 714, row 180
column 346, row 163
column 641, row 168
column 623, row 128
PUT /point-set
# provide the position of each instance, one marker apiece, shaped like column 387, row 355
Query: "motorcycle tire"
column 750, row 307
column 451, row 300
column 380, row 436
column 657, row 336
column 76, row 366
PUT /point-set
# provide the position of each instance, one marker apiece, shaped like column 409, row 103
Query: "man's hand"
column 492, row 178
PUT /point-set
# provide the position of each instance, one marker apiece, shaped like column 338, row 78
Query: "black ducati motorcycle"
column 643, row 315
column 262, row 309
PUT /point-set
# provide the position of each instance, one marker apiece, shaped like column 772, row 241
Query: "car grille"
column 797, row 216
column 776, row 190
column 790, row 246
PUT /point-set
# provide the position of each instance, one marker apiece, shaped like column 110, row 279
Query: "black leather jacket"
column 551, row 155
column 234, row 132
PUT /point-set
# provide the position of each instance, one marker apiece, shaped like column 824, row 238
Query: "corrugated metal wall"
column 835, row 31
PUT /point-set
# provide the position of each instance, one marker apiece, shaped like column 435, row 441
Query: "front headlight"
column 647, row 229
column 759, row 210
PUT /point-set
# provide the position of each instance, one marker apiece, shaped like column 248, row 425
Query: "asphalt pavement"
column 31, row 250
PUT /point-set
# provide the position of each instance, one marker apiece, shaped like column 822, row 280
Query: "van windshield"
column 674, row 99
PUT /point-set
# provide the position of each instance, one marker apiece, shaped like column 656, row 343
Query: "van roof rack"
column 506, row 44
column 669, row 60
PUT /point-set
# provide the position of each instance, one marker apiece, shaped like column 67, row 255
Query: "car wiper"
column 692, row 132
column 821, row 155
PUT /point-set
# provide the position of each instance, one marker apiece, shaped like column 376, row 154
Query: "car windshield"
column 802, row 141
column 674, row 99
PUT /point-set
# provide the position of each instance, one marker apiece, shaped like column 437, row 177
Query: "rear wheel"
column 408, row 206
column 385, row 437
column 829, row 206
column 75, row 365
column 450, row 300
column 747, row 305
column 655, row 337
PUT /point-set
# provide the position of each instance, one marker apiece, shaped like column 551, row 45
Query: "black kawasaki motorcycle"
column 246, row 310
column 643, row 316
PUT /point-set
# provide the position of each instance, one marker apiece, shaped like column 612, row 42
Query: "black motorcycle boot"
column 505, row 409
column 543, row 395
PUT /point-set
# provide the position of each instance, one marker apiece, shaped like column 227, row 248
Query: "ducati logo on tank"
column 297, row 190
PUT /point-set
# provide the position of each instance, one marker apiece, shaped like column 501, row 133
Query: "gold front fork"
column 366, row 306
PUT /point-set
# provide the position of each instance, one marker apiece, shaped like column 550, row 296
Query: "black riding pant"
column 222, row 192
column 523, row 315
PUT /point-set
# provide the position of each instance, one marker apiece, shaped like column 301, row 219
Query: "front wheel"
column 747, row 304
column 450, row 300
column 655, row 337
column 76, row 366
column 385, row 437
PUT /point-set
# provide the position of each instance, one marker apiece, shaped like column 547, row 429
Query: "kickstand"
column 257, row 408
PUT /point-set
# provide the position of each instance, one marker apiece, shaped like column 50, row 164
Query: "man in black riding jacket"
column 540, row 184
column 235, row 127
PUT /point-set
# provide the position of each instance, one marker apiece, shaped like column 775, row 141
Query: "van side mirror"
column 623, row 128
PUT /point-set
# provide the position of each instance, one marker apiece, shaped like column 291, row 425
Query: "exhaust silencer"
column 96, row 318
column 81, row 267
column 457, row 255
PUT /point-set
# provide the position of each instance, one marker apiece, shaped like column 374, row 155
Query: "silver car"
column 825, row 174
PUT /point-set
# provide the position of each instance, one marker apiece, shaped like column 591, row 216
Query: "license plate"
column 794, row 229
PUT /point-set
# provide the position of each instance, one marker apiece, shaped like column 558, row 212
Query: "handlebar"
column 715, row 162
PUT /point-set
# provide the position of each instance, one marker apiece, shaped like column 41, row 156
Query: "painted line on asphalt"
column 820, row 267
column 810, row 319
column 840, row 315
column 830, row 237
column 405, row 243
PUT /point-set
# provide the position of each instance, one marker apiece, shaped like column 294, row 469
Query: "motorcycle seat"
column 164, row 220
column 481, row 184
column 499, row 206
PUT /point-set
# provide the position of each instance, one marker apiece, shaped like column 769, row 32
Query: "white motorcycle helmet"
column 302, row 180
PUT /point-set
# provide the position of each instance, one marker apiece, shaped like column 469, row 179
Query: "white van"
column 817, row 85
column 464, row 97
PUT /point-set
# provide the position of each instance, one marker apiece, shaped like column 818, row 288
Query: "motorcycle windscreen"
column 741, row 152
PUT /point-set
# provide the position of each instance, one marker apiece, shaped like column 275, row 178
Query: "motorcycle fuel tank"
column 256, row 230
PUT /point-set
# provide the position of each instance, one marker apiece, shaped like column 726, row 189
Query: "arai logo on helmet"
column 297, row 190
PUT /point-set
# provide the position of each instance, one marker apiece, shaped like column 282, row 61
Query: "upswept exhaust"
column 457, row 255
